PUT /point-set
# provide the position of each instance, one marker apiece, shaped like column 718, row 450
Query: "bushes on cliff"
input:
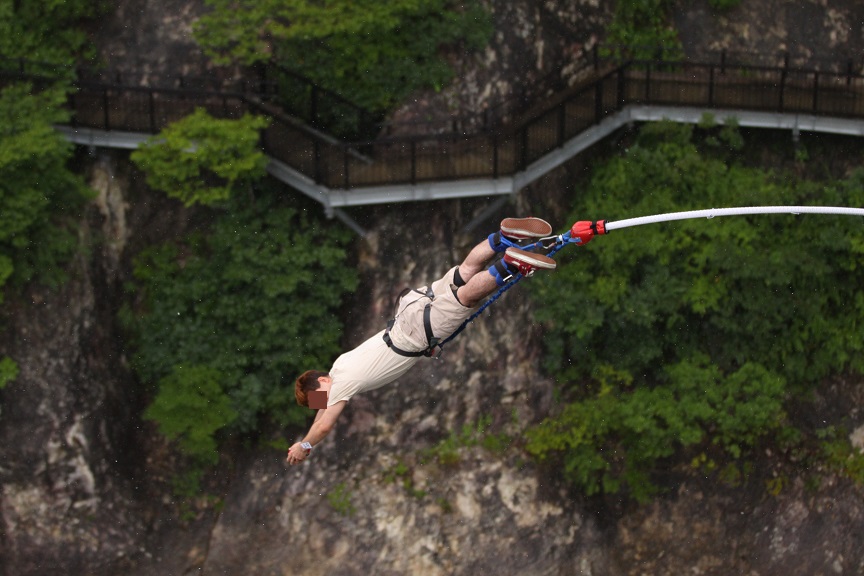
column 48, row 31
column 688, row 338
column 204, row 160
column 373, row 53
column 37, row 191
column 235, row 313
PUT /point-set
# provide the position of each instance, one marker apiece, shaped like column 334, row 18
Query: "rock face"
column 404, row 485
column 68, row 419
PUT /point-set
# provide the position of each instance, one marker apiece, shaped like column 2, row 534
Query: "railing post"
column 316, row 151
column 816, row 91
column 595, row 54
column 523, row 148
column 622, row 72
column 73, row 118
column 648, row 82
column 598, row 101
column 783, row 73
column 711, row 85
column 562, row 123
column 413, row 162
column 262, row 141
column 313, row 107
column 495, row 155
column 105, row 118
column 152, row 112
column 723, row 61
column 345, row 169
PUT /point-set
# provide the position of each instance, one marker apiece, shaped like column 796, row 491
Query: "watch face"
column 317, row 399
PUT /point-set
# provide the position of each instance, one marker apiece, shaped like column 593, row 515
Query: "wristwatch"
column 306, row 446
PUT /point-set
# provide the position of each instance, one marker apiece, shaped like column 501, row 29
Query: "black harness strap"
column 503, row 270
column 427, row 325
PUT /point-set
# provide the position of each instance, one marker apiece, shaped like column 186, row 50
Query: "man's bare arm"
column 321, row 427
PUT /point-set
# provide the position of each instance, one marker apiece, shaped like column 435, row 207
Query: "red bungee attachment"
column 583, row 231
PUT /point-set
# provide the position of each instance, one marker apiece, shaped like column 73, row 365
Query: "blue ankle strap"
column 501, row 272
column 499, row 243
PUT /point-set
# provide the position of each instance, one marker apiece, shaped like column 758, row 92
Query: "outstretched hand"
column 297, row 454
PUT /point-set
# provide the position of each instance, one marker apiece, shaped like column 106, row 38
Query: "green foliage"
column 640, row 29
column 201, row 159
column 724, row 5
column 254, row 301
column 190, row 408
column 46, row 31
column 616, row 437
column 693, row 333
column 447, row 451
column 8, row 371
column 726, row 138
column 37, row 191
column 374, row 53
column 401, row 472
column 840, row 455
column 36, row 188
column 339, row 499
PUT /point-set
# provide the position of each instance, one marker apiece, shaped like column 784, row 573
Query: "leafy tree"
column 253, row 302
column 36, row 187
column 48, row 31
column 201, row 159
column 374, row 53
column 641, row 29
column 190, row 408
column 692, row 334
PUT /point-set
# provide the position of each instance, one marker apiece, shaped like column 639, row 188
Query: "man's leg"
column 475, row 261
column 478, row 287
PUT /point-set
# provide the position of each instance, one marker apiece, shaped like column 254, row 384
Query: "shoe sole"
column 535, row 260
column 520, row 228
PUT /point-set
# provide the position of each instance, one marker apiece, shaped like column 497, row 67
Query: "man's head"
column 307, row 382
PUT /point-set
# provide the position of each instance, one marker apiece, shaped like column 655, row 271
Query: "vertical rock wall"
column 68, row 419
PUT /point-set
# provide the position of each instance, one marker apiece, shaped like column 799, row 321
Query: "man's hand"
column 321, row 427
column 297, row 454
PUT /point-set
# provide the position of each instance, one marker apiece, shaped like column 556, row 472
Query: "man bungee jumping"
column 425, row 317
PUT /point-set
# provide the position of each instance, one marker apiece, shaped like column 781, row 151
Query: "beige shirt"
column 372, row 364
column 367, row 367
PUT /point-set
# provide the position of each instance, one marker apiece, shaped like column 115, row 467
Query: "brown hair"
column 305, row 383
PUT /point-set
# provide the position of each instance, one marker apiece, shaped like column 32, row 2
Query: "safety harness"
column 431, row 339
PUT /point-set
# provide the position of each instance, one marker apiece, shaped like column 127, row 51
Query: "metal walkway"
column 334, row 199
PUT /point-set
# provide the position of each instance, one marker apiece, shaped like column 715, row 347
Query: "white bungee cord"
column 715, row 212
column 606, row 226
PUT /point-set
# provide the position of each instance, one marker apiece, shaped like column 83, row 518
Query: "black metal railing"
column 491, row 153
